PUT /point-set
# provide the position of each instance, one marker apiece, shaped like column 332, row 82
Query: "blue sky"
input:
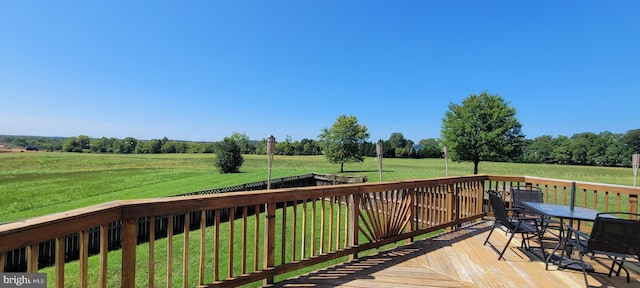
column 201, row 70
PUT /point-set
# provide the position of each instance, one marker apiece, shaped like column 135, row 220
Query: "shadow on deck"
column 456, row 259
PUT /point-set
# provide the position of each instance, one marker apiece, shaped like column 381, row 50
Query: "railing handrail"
column 583, row 184
column 69, row 221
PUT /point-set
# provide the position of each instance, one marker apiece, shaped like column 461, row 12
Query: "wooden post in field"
column 445, row 149
column 271, row 150
column 379, row 157
column 636, row 163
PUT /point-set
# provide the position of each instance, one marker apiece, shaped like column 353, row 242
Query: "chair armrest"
column 580, row 240
column 578, row 233
column 514, row 211
column 525, row 218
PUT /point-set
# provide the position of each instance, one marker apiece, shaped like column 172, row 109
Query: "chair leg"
column 540, row 237
column 584, row 270
column 506, row 246
column 525, row 242
column 487, row 240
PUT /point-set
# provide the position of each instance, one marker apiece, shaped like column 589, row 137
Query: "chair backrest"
column 498, row 208
column 613, row 233
column 530, row 194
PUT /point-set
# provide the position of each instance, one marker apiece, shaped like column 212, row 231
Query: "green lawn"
column 34, row 184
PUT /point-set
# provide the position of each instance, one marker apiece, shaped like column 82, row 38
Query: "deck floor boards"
column 455, row 259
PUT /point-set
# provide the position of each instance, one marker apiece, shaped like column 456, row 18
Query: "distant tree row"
column 603, row 149
column 587, row 148
column 130, row 145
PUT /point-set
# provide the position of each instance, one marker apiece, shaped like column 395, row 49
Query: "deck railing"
column 269, row 233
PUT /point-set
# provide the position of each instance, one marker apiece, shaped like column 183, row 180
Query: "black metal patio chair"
column 533, row 194
column 525, row 226
column 615, row 236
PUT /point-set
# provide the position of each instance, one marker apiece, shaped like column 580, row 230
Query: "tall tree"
column 482, row 128
column 342, row 141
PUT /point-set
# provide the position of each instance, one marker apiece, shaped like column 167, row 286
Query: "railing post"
column 270, row 239
column 354, row 225
column 451, row 199
column 32, row 258
column 633, row 203
column 411, row 226
column 129, row 239
column 480, row 206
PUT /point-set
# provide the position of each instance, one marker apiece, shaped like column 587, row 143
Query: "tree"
column 243, row 142
column 228, row 156
column 285, row 147
column 128, row 145
column 398, row 143
column 562, row 150
column 71, row 145
column 539, row 150
column 631, row 141
column 341, row 142
column 76, row 144
column 482, row 128
column 430, row 148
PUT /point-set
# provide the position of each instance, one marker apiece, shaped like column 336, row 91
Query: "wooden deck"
column 456, row 259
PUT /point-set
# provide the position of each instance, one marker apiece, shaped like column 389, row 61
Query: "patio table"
column 563, row 212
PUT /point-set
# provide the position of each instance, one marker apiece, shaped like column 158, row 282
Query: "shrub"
column 228, row 157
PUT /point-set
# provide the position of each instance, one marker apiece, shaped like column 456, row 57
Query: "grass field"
column 40, row 183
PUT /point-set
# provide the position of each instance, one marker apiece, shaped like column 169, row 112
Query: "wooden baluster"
column 216, row 246
column 203, row 246
column 354, row 226
column 331, row 211
column 270, row 239
column 170, row 250
column 32, row 258
column 283, row 234
column 84, row 258
column 232, row 218
column 322, row 224
column 313, row 227
column 129, row 252
column 256, row 232
column 243, row 269
column 185, row 250
column 59, row 261
column 104, row 251
column 152, row 250
column 294, row 228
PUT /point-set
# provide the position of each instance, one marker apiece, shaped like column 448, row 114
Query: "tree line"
column 587, row 148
